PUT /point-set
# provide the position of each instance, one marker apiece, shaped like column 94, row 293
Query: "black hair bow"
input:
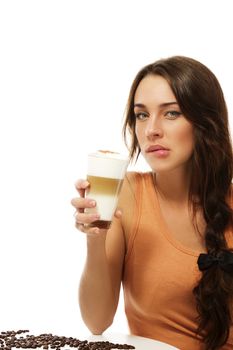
column 223, row 259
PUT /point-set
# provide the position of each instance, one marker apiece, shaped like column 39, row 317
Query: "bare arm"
column 101, row 278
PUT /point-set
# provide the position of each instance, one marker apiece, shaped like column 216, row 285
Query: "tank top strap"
column 138, row 179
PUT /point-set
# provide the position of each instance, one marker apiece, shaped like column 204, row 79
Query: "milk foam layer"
column 107, row 164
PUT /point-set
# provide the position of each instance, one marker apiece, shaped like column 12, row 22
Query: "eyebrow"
column 162, row 105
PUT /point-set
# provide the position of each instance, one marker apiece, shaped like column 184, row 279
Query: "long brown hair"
column 201, row 100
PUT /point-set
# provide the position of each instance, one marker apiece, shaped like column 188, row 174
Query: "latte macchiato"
column 105, row 174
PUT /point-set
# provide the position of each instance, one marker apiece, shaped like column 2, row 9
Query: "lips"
column 155, row 148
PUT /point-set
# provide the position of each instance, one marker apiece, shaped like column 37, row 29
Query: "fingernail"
column 92, row 203
column 96, row 231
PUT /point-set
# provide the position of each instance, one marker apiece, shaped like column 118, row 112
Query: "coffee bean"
column 10, row 339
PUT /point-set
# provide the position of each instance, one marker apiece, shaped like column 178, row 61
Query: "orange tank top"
column 159, row 276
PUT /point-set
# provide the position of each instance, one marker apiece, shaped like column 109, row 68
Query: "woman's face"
column 164, row 135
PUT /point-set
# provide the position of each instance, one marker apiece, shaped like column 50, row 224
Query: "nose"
column 153, row 129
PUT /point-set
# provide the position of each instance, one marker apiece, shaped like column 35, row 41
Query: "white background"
column 65, row 71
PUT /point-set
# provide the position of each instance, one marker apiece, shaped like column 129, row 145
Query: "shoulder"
column 133, row 177
column 128, row 187
column 132, row 187
column 133, row 180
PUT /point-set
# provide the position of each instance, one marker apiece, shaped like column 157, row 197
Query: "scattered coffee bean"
column 11, row 339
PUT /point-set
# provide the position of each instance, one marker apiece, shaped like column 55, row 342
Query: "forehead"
column 153, row 89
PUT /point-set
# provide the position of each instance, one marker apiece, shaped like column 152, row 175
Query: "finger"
column 81, row 186
column 82, row 203
column 79, row 226
column 83, row 218
column 87, row 229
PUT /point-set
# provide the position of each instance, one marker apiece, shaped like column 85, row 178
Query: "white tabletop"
column 140, row 343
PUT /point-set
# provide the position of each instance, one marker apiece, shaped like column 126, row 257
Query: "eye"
column 172, row 114
column 141, row 116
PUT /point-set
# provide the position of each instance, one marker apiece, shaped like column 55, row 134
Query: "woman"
column 171, row 243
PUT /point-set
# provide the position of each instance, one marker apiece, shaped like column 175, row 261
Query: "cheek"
column 185, row 138
column 139, row 134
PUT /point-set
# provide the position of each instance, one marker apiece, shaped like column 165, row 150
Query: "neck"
column 173, row 186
